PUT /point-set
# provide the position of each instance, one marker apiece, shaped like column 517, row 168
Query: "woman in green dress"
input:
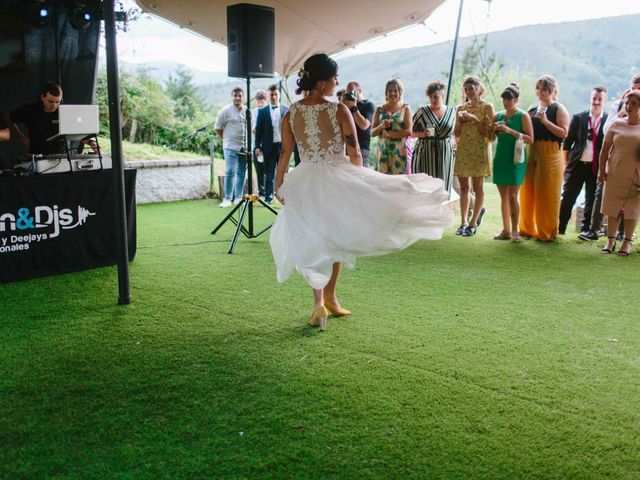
column 510, row 126
column 392, row 125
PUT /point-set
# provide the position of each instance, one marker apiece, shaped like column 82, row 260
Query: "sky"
column 154, row 40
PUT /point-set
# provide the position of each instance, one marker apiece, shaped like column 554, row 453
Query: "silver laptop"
column 76, row 122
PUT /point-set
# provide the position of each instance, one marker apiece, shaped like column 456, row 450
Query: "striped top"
column 434, row 155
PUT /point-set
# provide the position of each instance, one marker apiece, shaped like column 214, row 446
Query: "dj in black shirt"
column 41, row 120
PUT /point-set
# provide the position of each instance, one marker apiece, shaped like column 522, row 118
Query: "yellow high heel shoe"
column 336, row 311
column 319, row 318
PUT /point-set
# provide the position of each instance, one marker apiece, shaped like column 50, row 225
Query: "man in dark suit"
column 268, row 138
column 581, row 150
column 261, row 100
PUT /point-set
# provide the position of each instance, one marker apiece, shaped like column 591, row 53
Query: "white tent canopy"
column 303, row 27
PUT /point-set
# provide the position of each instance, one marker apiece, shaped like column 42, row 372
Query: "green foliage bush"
column 475, row 60
column 170, row 115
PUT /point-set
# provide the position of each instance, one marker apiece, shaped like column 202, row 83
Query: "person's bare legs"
column 330, row 289
column 514, row 209
column 472, row 197
column 630, row 225
column 478, row 188
column 612, row 227
column 505, row 209
column 465, row 187
column 318, row 300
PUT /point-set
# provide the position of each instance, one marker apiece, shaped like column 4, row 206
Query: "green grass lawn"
column 465, row 358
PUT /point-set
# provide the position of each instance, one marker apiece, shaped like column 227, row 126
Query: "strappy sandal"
column 461, row 229
column 608, row 251
column 470, row 231
column 624, row 253
column 503, row 235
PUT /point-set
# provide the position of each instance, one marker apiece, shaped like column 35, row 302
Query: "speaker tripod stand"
column 248, row 200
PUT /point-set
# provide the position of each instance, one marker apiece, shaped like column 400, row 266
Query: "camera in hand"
column 350, row 96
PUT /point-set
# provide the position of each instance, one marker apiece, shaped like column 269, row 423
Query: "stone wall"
column 171, row 180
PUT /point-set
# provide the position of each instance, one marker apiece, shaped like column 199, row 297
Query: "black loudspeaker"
column 251, row 40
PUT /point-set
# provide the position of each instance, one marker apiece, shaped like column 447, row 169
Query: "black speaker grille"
column 250, row 40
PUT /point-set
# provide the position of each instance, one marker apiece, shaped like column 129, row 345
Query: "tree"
column 475, row 61
column 152, row 108
column 169, row 116
column 184, row 94
column 490, row 69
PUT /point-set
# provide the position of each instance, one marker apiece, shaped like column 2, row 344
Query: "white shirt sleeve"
column 221, row 119
column 613, row 114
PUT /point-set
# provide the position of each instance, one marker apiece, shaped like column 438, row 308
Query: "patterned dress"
column 434, row 155
column 473, row 155
column 391, row 153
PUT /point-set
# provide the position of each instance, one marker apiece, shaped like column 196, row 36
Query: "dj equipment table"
column 60, row 223
column 60, row 163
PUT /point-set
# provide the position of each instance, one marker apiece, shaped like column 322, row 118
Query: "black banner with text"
column 60, row 223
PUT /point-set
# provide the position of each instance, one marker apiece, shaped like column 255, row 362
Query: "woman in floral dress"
column 392, row 124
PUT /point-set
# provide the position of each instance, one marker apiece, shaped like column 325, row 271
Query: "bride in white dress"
column 334, row 208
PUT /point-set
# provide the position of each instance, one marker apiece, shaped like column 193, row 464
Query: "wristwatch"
column 353, row 109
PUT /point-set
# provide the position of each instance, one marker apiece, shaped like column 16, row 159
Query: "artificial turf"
column 464, row 358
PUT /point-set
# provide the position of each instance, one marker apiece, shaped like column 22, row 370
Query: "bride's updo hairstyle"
column 317, row 68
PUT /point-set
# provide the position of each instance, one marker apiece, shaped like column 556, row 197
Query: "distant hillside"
column 162, row 70
column 580, row 54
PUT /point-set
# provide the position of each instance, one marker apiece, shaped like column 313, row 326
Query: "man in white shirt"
column 231, row 127
column 617, row 110
column 268, row 138
column 581, row 151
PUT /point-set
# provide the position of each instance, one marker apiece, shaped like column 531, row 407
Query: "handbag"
column 518, row 150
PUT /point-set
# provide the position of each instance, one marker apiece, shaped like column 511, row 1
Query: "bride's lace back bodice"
column 317, row 131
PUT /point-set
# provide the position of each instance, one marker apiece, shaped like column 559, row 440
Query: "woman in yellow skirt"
column 540, row 192
column 473, row 155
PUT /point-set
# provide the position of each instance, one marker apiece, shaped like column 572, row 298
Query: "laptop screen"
column 76, row 122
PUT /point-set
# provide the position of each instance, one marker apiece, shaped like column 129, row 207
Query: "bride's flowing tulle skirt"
column 335, row 212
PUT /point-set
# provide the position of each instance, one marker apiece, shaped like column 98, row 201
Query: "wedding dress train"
column 335, row 211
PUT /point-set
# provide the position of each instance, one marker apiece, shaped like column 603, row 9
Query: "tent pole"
column 453, row 55
column 113, row 87
column 56, row 40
